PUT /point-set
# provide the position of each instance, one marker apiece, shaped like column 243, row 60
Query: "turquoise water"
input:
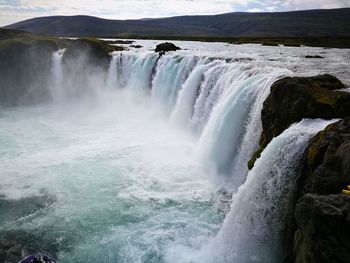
column 103, row 180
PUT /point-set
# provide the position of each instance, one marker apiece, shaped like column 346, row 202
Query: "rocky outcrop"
column 320, row 229
column 322, row 212
column 327, row 164
column 294, row 98
column 25, row 66
column 165, row 47
column 323, row 233
column 88, row 52
column 85, row 66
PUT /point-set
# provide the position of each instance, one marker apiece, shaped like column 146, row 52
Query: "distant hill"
column 308, row 23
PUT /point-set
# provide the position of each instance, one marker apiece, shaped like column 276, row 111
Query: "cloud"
column 14, row 10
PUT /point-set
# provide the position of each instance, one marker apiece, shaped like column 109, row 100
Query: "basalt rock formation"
column 294, row 98
column 322, row 212
column 320, row 229
column 89, row 52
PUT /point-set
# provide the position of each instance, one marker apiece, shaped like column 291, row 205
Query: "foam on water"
column 126, row 185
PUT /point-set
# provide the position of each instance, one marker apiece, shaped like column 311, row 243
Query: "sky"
column 12, row 11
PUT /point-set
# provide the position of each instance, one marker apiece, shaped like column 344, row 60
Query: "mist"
column 133, row 156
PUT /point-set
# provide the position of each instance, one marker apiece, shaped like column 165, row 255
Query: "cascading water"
column 253, row 229
column 57, row 86
column 111, row 181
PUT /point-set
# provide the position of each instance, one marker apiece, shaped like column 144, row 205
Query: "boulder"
column 294, row 98
column 165, row 47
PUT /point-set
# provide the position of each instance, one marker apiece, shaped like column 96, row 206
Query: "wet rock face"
column 327, row 164
column 87, row 52
column 25, row 71
column 320, row 229
column 323, row 233
column 294, row 98
column 322, row 213
column 85, row 65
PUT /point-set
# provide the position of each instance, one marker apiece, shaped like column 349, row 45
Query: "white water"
column 132, row 175
column 253, row 229
column 57, row 86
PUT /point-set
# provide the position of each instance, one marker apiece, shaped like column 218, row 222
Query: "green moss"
column 32, row 39
column 255, row 157
column 104, row 44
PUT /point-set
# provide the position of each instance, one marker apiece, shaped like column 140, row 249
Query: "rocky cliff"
column 294, row 98
column 26, row 63
column 323, row 212
column 320, row 229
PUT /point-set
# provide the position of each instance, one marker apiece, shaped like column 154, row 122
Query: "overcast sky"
column 16, row 10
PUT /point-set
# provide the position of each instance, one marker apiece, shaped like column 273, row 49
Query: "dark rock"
column 322, row 213
column 323, row 233
column 136, row 46
column 88, row 52
column 294, row 98
column 165, row 47
column 327, row 164
column 25, row 66
column 270, row 44
column 124, row 42
column 316, row 56
column 85, row 65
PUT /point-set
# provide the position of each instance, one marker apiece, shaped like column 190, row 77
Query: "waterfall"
column 112, row 77
column 133, row 71
column 183, row 110
column 218, row 100
column 171, row 73
column 149, row 177
column 236, row 119
column 57, row 85
column 253, row 229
